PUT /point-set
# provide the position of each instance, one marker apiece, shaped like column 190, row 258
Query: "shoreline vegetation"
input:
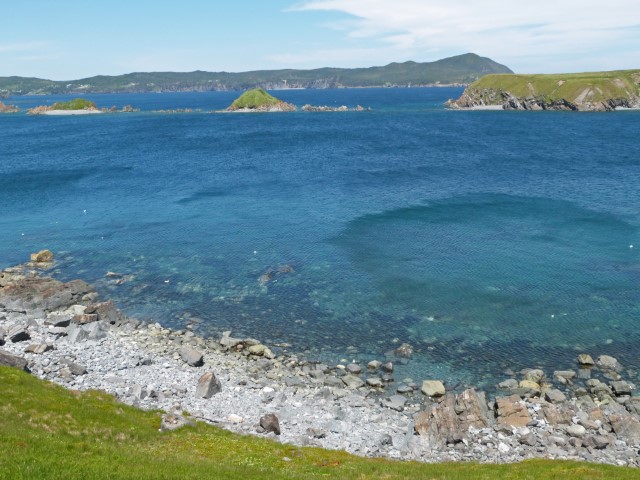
column 591, row 91
column 66, row 334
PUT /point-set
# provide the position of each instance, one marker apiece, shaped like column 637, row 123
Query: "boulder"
column 375, row 382
column 621, row 388
column 586, row 360
column 174, row 421
column 607, row 362
column 270, row 423
column 534, row 375
column 374, row 365
column 43, row 256
column 77, row 334
column 9, row 360
column 191, row 356
column 512, row 412
column 554, row 396
column 106, row 312
column 394, row 402
column 433, row 388
column 354, row 369
column 577, row 431
column 208, row 386
column 387, row 367
column 229, row 342
column 352, row 381
column 449, row 420
column 405, row 350
column 18, row 334
column 85, row 318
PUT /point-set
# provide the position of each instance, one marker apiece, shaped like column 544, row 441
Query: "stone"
column 375, row 382
column 403, row 388
column 38, row 348
column 566, row 374
column 621, row 388
column 174, row 421
column 331, row 381
column 208, row 386
column 107, row 312
column 450, row 420
column 394, row 402
column 405, row 350
column 270, row 423
column 352, row 381
column 85, row 318
column 554, row 396
column 529, row 386
column 599, row 442
column 354, row 369
column 43, row 256
column 534, row 375
column 18, row 334
column 508, row 384
column 233, row 418
column 626, row 427
column 387, row 367
column 191, row 356
column 512, row 412
column 9, row 360
column 257, row 350
column 58, row 319
column 577, row 431
column 585, row 359
column 607, row 362
column 77, row 334
column 229, row 342
column 433, row 388
column 374, row 365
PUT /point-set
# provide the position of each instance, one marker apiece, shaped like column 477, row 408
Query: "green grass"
column 594, row 86
column 75, row 104
column 47, row 432
column 254, row 98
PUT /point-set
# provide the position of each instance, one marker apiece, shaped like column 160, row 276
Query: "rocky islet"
column 64, row 333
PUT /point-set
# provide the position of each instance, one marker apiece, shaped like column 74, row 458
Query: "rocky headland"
column 77, row 106
column 65, row 333
column 600, row 91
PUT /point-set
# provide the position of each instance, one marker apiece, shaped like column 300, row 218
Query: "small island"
column 8, row 108
column 596, row 91
column 77, row 106
column 258, row 100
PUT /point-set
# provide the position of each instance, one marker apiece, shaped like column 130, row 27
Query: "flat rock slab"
column 433, row 388
column 38, row 348
column 512, row 412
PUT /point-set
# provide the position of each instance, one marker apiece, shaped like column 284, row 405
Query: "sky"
column 72, row 39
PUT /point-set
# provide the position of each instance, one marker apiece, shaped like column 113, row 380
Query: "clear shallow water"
column 488, row 240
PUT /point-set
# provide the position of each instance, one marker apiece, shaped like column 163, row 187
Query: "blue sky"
column 69, row 39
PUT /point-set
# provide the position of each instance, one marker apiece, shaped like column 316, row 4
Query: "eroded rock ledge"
column 65, row 333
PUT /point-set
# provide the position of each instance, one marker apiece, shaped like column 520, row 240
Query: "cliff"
column 596, row 91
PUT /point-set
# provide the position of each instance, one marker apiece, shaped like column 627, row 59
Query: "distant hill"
column 461, row 69
column 591, row 91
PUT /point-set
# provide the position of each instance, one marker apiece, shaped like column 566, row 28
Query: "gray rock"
column 10, row 360
column 95, row 331
column 18, row 334
column 404, row 388
column 577, row 431
column 508, row 384
column 375, row 382
column 297, row 382
column 316, row 432
column 352, row 381
column 331, row 381
column 58, row 319
column 534, row 375
column 374, row 365
column 191, row 356
column 566, row 374
column 208, row 386
column 270, row 423
column 77, row 334
column 607, row 362
column 394, row 402
column 528, row 439
column 229, row 342
column 599, row 442
column 354, row 369
column 107, row 312
column 174, row 421
column 387, row 367
column 621, row 388
column 555, row 396
column 38, row 348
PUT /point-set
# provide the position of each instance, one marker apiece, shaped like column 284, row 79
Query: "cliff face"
column 601, row 91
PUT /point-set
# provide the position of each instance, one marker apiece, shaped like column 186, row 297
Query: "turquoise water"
column 487, row 240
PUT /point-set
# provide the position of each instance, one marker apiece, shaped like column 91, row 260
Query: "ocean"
column 487, row 240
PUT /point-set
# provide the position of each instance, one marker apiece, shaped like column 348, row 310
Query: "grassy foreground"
column 47, row 432
column 574, row 87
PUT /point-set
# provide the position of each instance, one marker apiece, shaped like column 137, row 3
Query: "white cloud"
column 517, row 33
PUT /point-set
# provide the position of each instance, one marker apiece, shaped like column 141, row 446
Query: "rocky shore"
column 65, row 333
column 4, row 108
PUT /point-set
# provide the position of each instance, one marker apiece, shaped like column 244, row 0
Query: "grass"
column 595, row 86
column 75, row 104
column 254, row 98
column 47, row 432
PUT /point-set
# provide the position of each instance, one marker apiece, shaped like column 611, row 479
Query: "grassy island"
column 258, row 100
column 75, row 104
column 592, row 91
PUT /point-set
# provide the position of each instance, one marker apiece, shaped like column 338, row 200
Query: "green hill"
column 461, row 69
column 591, row 91
column 256, row 99
column 75, row 104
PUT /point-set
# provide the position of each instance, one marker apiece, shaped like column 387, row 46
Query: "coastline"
column 71, row 112
column 75, row 339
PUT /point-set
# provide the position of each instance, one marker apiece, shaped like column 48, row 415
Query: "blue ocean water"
column 488, row 240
